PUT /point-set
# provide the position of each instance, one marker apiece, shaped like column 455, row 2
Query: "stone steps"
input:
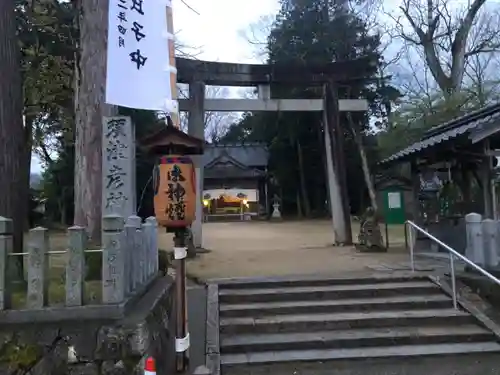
column 333, row 306
column 359, row 353
column 322, row 292
column 340, row 321
column 344, row 339
column 311, row 327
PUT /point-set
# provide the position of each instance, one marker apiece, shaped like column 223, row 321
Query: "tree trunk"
column 90, row 108
column 300, row 214
column 364, row 163
column 303, row 184
column 13, row 201
column 28, row 143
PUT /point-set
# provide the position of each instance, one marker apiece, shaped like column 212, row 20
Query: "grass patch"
column 57, row 276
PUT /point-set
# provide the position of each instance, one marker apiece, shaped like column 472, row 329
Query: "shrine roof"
column 245, row 154
column 474, row 127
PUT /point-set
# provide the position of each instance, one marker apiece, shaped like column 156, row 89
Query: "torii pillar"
column 196, row 128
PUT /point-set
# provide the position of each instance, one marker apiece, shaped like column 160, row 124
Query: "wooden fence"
column 129, row 261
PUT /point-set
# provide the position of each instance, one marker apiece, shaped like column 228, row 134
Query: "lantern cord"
column 139, row 206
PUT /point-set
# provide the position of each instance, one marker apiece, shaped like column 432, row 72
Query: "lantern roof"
column 171, row 140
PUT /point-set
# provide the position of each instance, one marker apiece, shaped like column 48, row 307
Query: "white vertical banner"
column 138, row 61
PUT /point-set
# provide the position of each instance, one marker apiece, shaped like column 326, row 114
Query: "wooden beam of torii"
column 285, row 105
column 330, row 76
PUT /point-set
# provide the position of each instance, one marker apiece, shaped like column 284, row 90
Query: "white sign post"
column 138, row 57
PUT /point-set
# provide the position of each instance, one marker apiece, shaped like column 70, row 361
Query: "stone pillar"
column 154, row 244
column 75, row 267
column 146, row 239
column 264, row 92
column 118, row 167
column 113, row 259
column 38, row 268
column 338, row 225
column 196, row 128
column 6, row 245
column 491, row 242
column 474, row 250
column 133, row 241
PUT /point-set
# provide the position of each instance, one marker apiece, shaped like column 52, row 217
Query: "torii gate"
column 198, row 73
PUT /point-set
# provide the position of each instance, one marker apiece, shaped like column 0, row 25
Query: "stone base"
column 100, row 346
column 370, row 249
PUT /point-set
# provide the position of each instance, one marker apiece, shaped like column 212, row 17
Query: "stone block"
column 75, row 267
column 38, row 268
column 113, row 260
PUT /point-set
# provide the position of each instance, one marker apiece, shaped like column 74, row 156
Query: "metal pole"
column 181, row 331
column 453, row 281
column 406, row 235
column 410, row 241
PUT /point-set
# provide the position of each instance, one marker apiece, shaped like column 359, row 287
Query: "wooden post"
column 75, row 266
column 6, row 246
column 181, row 331
column 113, row 259
column 38, row 268
column 173, row 72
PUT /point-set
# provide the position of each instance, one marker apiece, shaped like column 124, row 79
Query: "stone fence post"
column 38, row 268
column 75, row 266
column 113, row 259
column 132, row 241
column 475, row 243
column 6, row 245
column 491, row 242
column 146, row 238
column 154, row 243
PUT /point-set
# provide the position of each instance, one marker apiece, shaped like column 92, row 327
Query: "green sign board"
column 393, row 206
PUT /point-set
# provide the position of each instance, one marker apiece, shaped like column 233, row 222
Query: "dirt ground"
column 286, row 248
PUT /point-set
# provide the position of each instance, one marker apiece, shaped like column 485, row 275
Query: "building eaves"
column 449, row 131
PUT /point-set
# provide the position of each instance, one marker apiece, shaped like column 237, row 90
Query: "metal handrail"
column 452, row 252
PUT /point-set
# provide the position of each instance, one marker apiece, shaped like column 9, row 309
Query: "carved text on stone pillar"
column 117, row 168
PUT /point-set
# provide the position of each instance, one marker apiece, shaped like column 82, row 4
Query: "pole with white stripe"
column 174, row 115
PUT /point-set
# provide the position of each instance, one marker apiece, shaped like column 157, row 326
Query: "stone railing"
column 483, row 241
column 129, row 263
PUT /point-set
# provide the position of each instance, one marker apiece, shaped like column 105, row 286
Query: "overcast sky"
column 217, row 28
column 214, row 28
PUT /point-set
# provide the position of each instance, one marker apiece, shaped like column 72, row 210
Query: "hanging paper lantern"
column 175, row 191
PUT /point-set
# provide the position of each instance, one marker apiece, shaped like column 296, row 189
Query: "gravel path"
column 278, row 249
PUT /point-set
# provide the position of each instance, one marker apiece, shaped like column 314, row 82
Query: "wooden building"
column 235, row 180
column 461, row 154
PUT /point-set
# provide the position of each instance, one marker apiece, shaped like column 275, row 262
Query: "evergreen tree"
column 314, row 32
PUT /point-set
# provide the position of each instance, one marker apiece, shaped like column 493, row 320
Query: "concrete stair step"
column 358, row 354
column 354, row 338
column 410, row 302
column 385, row 289
column 341, row 321
column 316, row 280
